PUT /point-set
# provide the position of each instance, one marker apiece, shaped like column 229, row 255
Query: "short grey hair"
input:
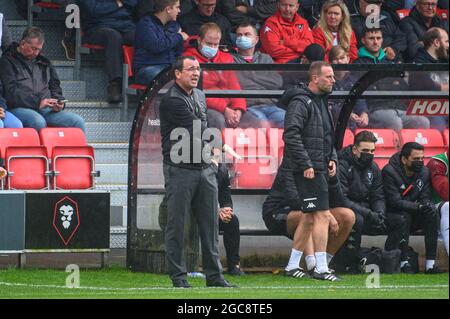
column 33, row 33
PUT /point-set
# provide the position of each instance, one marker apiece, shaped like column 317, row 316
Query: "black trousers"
column 231, row 240
column 112, row 40
column 429, row 223
column 348, row 255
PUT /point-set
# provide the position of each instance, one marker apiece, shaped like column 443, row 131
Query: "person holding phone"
column 31, row 86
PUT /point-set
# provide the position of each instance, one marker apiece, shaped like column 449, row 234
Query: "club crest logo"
column 419, row 184
column 300, row 27
column 66, row 219
column 370, row 176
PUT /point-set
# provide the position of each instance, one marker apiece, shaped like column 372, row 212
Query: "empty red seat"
column 348, row 138
column 403, row 13
column 442, row 13
column 24, row 158
column 257, row 168
column 431, row 139
column 381, row 162
column 388, row 142
column 276, row 143
column 446, row 137
column 73, row 160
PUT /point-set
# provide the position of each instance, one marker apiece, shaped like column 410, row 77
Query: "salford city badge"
column 66, row 219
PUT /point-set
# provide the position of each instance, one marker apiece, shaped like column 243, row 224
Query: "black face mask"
column 365, row 159
column 416, row 166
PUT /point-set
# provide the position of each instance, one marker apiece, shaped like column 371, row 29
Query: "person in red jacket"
column 285, row 35
column 334, row 28
column 221, row 112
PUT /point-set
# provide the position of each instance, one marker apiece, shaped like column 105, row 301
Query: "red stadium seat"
column 381, row 162
column 431, row 139
column 442, row 13
column 72, row 159
column 25, row 159
column 348, row 138
column 446, row 137
column 276, row 143
column 257, row 168
column 127, row 88
column 403, row 13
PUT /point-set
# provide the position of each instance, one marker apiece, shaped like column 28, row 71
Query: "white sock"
column 444, row 225
column 321, row 262
column 329, row 257
column 294, row 260
column 429, row 264
column 310, row 262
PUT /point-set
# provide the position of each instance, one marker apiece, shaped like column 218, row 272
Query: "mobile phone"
column 62, row 101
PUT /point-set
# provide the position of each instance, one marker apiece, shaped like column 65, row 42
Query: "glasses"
column 193, row 69
column 428, row 4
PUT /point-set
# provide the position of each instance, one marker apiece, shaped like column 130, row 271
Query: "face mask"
column 416, row 166
column 366, row 159
column 244, row 43
column 208, row 52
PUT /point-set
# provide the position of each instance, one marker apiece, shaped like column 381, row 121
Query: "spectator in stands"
column 147, row 7
column 282, row 215
column 334, row 28
column 7, row 119
column 421, row 18
column 439, row 169
column 222, row 112
column 385, row 113
column 5, row 34
column 394, row 41
column 285, row 35
column 235, row 12
column 192, row 185
column 263, row 109
column 435, row 47
column 259, row 10
column 310, row 9
column 31, row 86
column 110, row 24
column 345, row 80
column 362, row 186
column 309, row 151
column 162, row 29
column 204, row 12
column 407, row 190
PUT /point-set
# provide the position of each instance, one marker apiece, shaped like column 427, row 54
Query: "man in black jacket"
column 190, row 176
column 203, row 12
column 407, row 190
column 31, row 86
column 421, row 18
column 435, row 47
column 394, row 41
column 309, row 152
column 362, row 186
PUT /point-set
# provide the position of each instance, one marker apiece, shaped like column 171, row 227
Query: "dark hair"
column 314, row 52
column 316, row 68
column 431, row 35
column 368, row 30
column 179, row 63
column 364, row 136
column 246, row 24
column 160, row 5
column 33, row 33
column 409, row 147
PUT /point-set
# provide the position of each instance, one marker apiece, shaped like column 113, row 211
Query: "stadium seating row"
column 262, row 150
column 57, row 158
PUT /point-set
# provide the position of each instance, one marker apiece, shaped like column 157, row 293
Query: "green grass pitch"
column 121, row 283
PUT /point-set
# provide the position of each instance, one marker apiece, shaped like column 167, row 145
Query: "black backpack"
column 370, row 256
column 413, row 258
column 390, row 261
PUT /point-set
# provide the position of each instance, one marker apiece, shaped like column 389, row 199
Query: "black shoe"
column 296, row 273
column 69, row 48
column 433, row 271
column 114, row 92
column 328, row 275
column 235, row 271
column 181, row 283
column 220, row 283
column 407, row 269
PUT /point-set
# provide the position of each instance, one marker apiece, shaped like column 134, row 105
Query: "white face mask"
column 244, row 43
column 208, row 52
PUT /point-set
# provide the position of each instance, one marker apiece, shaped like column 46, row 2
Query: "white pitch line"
column 387, row 287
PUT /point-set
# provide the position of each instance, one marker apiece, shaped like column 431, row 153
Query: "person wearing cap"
column 394, row 40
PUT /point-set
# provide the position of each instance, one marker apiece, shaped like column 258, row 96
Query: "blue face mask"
column 208, row 52
column 244, row 43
